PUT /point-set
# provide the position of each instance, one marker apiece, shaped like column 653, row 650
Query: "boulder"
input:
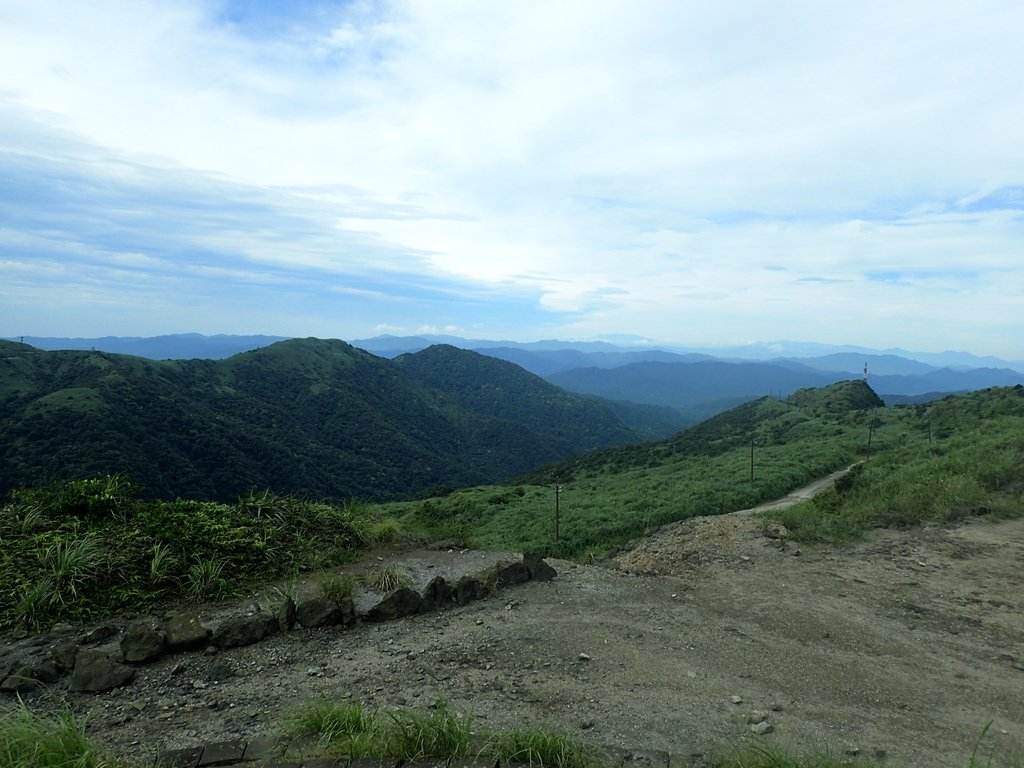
column 99, row 634
column 509, row 573
column 96, row 670
column 322, row 612
column 286, row 615
column 244, row 630
column 142, row 642
column 63, row 654
column 537, row 568
column 437, row 594
column 469, row 588
column 31, row 675
column 402, row 602
column 185, row 633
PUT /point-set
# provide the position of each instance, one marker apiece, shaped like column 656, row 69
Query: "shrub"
column 337, row 586
column 387, row 578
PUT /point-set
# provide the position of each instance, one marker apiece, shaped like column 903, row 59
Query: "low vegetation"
column 81, row 548
column 30, row 740
column 352, row 730
column 962, row 458
column 33, row 740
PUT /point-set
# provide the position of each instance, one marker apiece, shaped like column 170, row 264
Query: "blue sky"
column 692, row 173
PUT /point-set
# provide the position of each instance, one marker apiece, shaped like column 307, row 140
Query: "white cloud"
column 629, row 165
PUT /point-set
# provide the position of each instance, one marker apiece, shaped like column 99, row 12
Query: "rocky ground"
column 900, row 648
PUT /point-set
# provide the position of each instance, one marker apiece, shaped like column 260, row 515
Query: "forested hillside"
column 306, row 416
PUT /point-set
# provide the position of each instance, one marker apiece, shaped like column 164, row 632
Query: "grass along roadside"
column 977, row 472
column 334, row 729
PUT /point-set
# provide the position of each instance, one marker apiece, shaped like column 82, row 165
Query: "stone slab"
column 222, row 753
column 180, row 758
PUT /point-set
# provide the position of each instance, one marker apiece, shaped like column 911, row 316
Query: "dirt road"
column 901, row 648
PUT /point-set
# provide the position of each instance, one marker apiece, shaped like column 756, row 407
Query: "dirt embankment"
column 903, row 646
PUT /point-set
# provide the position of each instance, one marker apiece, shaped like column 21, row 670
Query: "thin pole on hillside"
column 753, row 442
column 558, row 492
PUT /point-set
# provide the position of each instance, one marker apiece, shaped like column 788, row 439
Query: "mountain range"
column 306, row 416
column 655, row 390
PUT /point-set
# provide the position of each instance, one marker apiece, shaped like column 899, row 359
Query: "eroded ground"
column 904, row 645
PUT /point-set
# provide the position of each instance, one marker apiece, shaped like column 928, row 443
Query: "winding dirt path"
column 900, row 648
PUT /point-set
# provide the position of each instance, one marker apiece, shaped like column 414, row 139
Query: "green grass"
column 28, row 740
column 975, row 472
column 387, row 578
column 542, row 748
column 82, row 548
column 352, row 730
column 944, row 461
column 336, row 586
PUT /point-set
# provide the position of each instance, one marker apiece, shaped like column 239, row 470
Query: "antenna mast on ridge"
column 865, row 371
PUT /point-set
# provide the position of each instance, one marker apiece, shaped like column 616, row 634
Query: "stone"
column 509, row 574
column 286, row 615
column 584, row 657
column 537, row 568
column 437, row 594
column 96, row 670
column 244, row 630
column 100, row 633
column 180, row 758
column 776, row 531
column 736, row 699
column 263, row 748
column 219, row 670
column 63, row 654
column 402, row 602
column 222, row 753
column 142, row 642
column 322, row 612
column 184, row 633
column 762, row 728
column 30, row 676
column 469, row 588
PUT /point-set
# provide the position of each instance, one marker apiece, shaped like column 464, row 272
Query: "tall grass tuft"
column 440, row 734
column 28, row 740
column 542, row 748
column 387, row 578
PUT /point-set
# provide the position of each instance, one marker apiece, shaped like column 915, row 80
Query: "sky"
column 692, row 173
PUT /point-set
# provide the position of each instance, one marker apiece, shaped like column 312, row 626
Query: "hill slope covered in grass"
column 306, row 416
column 610, row 496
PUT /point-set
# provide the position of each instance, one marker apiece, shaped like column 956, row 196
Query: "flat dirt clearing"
column 906, row 645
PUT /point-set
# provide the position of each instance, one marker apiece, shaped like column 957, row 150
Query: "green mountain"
column 502, row 390
column 929, row 462
column 305, row 416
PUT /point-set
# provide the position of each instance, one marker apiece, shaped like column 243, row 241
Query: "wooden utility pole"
column 558, row 493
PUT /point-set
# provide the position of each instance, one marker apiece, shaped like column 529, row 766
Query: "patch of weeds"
column 440, row 734
column 387, row 578
column 163, row 563
column 337, row 586
column 31, row 602
column 205, row 578
column 348, row 729
column 541, row 747
column 28, row 740
column 68, row 564
column 385, row 531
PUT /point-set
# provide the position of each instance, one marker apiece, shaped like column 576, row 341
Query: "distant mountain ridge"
column 180, row 346
column 307, row 416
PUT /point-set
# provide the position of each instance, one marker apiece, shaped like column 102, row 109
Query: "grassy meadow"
column 82, row 548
